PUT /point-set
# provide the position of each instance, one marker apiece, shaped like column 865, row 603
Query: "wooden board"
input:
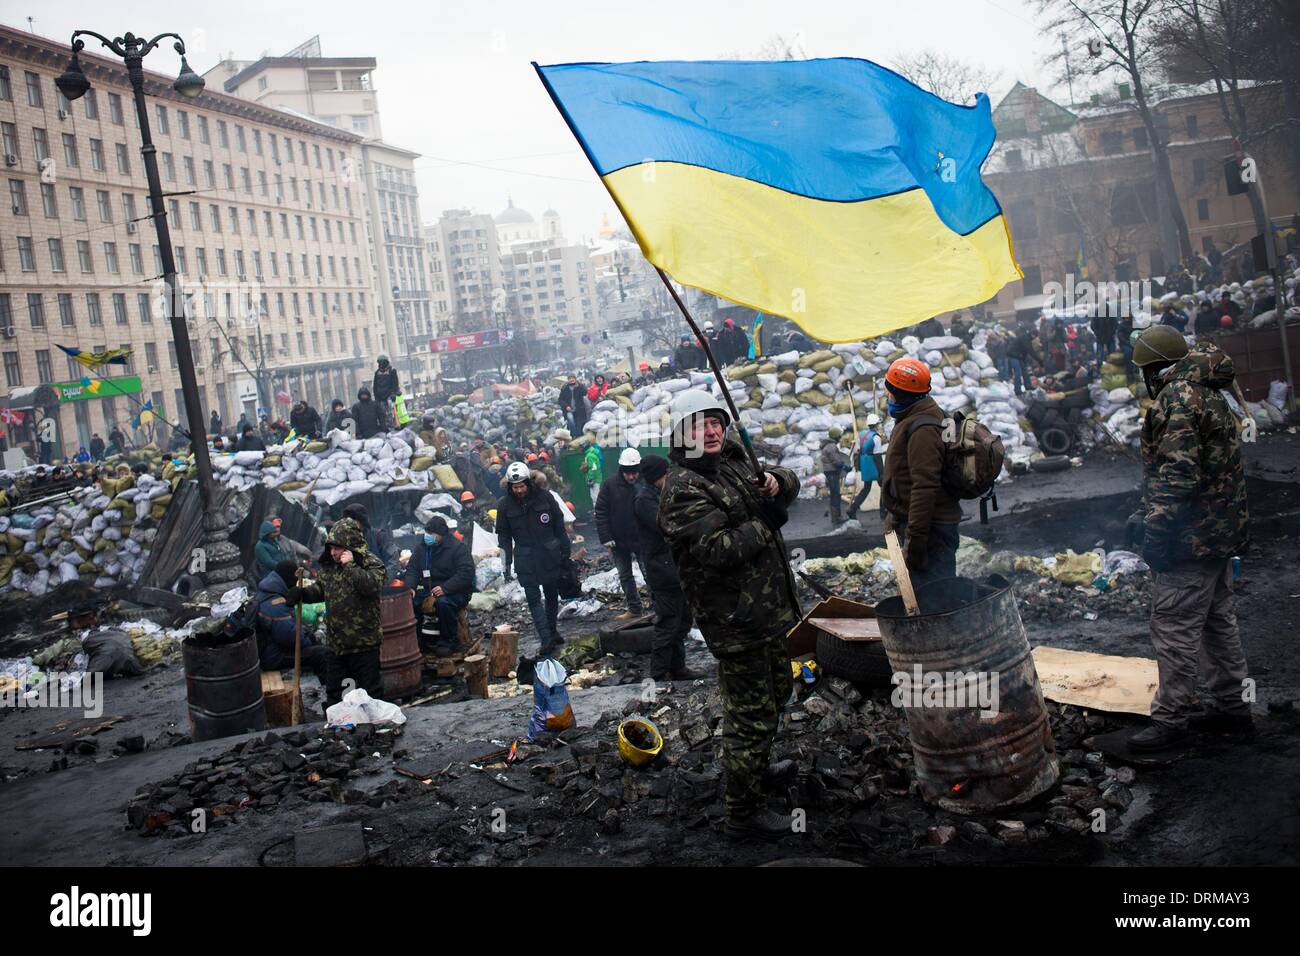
column 848, row 628
column 1120, row 685
column 66, row 731
column 801, row 639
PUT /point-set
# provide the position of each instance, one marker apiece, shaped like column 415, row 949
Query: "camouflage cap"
column 346, row 533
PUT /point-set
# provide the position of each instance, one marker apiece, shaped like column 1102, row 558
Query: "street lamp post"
column 221, row 557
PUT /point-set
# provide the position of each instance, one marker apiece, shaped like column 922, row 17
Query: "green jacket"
column 731, row 561
column 1195, row 494
column 350, row 592
column 593, row 459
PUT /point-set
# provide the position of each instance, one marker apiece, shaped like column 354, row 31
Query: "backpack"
column 972, row 458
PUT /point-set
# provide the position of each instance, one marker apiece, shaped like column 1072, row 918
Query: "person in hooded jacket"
column 597, row 389
column 672, row 618
column 338, row 414
column 834, row 464
column 269, row 551
column 687, row 355
column 367, row 414
column 616, row 527
column 276, row 626
column 305, row 420
column 531, row 535
column 441, row 573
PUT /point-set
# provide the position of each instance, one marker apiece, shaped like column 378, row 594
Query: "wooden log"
column 476, row 675
column 503, row 651
column 462, row 628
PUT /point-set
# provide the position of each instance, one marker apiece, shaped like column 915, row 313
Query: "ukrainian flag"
column 832, row 192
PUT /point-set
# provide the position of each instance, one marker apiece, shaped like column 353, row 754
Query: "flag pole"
column 717, row 371
column 704, row 343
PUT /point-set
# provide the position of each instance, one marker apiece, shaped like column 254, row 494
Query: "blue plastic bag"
column 551, row 708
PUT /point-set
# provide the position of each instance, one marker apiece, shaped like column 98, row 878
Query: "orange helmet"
column 531, row 457
column 909, row 375
column 466, row 496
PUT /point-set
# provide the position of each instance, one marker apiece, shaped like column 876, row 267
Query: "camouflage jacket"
column 350, row 592
column 731, row 561
column 1195, row 495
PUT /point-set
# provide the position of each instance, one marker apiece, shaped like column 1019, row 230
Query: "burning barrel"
column 400, row 661
column 964, row 674
column 223, row 685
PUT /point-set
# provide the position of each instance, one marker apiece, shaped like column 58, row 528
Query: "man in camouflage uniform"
column 350, row 582
column 1195, row 521
column 722, row 526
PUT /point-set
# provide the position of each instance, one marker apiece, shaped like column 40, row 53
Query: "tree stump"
column 503, row 651
column 476, row 675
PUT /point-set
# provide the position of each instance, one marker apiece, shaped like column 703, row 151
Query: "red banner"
column 470, row 340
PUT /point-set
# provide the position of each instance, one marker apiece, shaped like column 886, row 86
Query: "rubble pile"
column 265, row 773
column 100, row 535
column 843, row 756
column 339, row 467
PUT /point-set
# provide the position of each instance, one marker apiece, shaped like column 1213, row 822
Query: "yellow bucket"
column 636, row 754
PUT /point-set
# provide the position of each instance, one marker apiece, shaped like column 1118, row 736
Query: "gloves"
column 1135, row 530
column 917, row 556
column 1156, row 553
column 294, row 597
column 891, row 523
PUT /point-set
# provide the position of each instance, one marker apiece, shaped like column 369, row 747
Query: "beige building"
column 1078, row 184
column 267, row 223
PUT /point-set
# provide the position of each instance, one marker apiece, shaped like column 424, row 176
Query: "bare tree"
column 779, row 47
column 947, row 77
column 1119, row 36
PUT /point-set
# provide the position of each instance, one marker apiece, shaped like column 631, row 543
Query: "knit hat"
column 436, row 525
column 288, row 571
column 653, row 467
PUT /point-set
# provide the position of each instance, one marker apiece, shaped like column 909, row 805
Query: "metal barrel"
column 223, row 686
column 400, row 661
column 967, row 762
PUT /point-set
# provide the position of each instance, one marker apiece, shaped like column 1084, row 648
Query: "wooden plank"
column 1122, row 685
column 801, row 640
column 849, row 628
column 272, row 681
column 66, row 731
column 900, row 571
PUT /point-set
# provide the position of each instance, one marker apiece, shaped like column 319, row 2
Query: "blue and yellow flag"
column 94, row 360
column 832, row 192
column 755, row 342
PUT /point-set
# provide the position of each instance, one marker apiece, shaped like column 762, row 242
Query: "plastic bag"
column 551, row 708
column 358, row 707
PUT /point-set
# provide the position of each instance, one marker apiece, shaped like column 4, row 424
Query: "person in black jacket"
column 573, row 404
column 366, row 414
column 530, row 532
column 250, row 440
column 275, row 623
column 672, row 618
column 687, row 355
column 387, row 388
column 305, row 420
column 441, row 573
column 214, row 423
column 616, row 527
column 338, row 414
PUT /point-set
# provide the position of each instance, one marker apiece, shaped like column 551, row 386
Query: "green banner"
column 107, row 388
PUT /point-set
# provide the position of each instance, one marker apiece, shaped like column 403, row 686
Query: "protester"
column 923, row 512
column 596, row 391
column 269, row 551
column 834, row 464
column 616, row 527
column 573, row 403
column 441, row 573
column 1175, row 317
column 214, row 423
column 276, row 625
column 305, row 420
column 1196, row 520
column 249, row 440
column 531, row 535
column 338, row 413
column 593, row 466
column 367, row 414
column 386, row 388
column 1019, row 351
column 870, row 466
column 378, row 540
column 687, row 355
column 97, row 447
column 350, row 582
column 672, row 620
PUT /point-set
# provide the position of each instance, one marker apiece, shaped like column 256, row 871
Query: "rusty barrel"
column 223, row 686
column 965, row 677
column 400, row 660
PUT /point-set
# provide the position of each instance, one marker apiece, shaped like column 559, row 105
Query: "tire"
column 634, row 637
column 1055, row 441
column 188, row 585
column 1048, row 465
column 863, row 662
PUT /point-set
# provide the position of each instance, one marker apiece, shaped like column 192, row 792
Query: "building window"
column 1198, row 170
column 160, row 112
column 6, row 90
column 13, row 370
column 36, row 310
column 9, row 133
column 104, row 204
column 78, row 197
column 142, row 308
column 18, row 196
column 137, row 258
column 33, row 89
column 1112, row 142
column 1140, row 140
column 1203, row 210
column 115, row 109
column 44, row 374
column 97, row 155
column 183, row 121
column 1191, row 125
column 84, row 257
column 203, row 130
column 56, row 255
column 119, row 308
column 92, row 309
column 70, row 151
column 41, row 143
column 66, row 316
column 223, row 135
column 123, row 159
column 110, row 257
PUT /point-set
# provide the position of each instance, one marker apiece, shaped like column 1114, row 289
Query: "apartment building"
column 267, row 216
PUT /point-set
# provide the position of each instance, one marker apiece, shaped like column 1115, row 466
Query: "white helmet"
column 873, row 420
column 1141, row 321
column 690, row 403
column 517, row 472
column 708, row 326
column 630, row 458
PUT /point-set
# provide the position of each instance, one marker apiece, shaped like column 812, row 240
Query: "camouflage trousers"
column 755, row 687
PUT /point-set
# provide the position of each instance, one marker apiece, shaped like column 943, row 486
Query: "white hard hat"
column 517, row 472
column 873, row 420
column 1141, row 321
column 630, row 458
column 692, row 402
column 708, row 326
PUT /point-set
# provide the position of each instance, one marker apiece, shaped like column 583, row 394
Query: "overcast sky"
column 455, row 84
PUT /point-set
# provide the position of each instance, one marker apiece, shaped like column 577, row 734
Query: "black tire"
column 863, row 662
column 188, row 585
column 1055, row 441
column 1047, row 465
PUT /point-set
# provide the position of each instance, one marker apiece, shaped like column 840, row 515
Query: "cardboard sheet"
column 1122, row 685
